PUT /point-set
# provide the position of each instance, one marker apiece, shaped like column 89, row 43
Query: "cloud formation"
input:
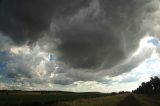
column 66, row 41
column 102, row 38
column 25, row 20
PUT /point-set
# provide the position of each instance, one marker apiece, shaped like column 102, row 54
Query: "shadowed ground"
column 77, row 99
column 130, row 100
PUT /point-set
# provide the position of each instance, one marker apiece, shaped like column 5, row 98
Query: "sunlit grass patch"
column 99, row 101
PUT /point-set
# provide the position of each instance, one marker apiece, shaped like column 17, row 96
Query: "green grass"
column 72, row 99
column 100, row 101
column 146, row 100
column 41, row 99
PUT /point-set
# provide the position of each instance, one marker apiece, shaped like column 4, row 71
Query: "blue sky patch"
column 4, row 53
column 2, row 65
column 154, row 41
column 52, row 57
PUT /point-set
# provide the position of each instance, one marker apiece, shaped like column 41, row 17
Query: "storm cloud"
column 87, row 39
column 103, row 38
column 25, row 20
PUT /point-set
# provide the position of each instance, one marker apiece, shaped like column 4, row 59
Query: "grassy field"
column 77, row 99
column 146, row 100
column 32, row 99
column 100, row 101
column 117, row 100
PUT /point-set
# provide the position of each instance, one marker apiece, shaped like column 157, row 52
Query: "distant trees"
column 123, row 92
column 151, row 87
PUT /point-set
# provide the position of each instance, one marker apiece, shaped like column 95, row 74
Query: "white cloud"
column 131, row 80
column 33, row 70
column 88, row 86
column 3, row 86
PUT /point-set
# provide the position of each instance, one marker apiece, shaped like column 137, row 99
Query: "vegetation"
column 19, row 98
column 148, row 93
column 100, row 101
column 146, row 100
column 151, row 87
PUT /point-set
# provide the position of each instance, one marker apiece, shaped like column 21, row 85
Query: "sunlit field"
column 99, row 101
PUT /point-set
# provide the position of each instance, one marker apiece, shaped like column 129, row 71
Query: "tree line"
column 151, row 87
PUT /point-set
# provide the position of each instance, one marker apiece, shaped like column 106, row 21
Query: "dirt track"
column 130, row 100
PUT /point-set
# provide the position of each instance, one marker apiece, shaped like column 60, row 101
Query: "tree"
column 151, row 87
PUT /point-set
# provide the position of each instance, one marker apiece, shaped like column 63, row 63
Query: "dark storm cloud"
column 89, row 46
column 125, row 18
column 103, row 40
column 25, row 20
column 83, row 34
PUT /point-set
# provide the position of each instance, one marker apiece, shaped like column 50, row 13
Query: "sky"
column 78, row 45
